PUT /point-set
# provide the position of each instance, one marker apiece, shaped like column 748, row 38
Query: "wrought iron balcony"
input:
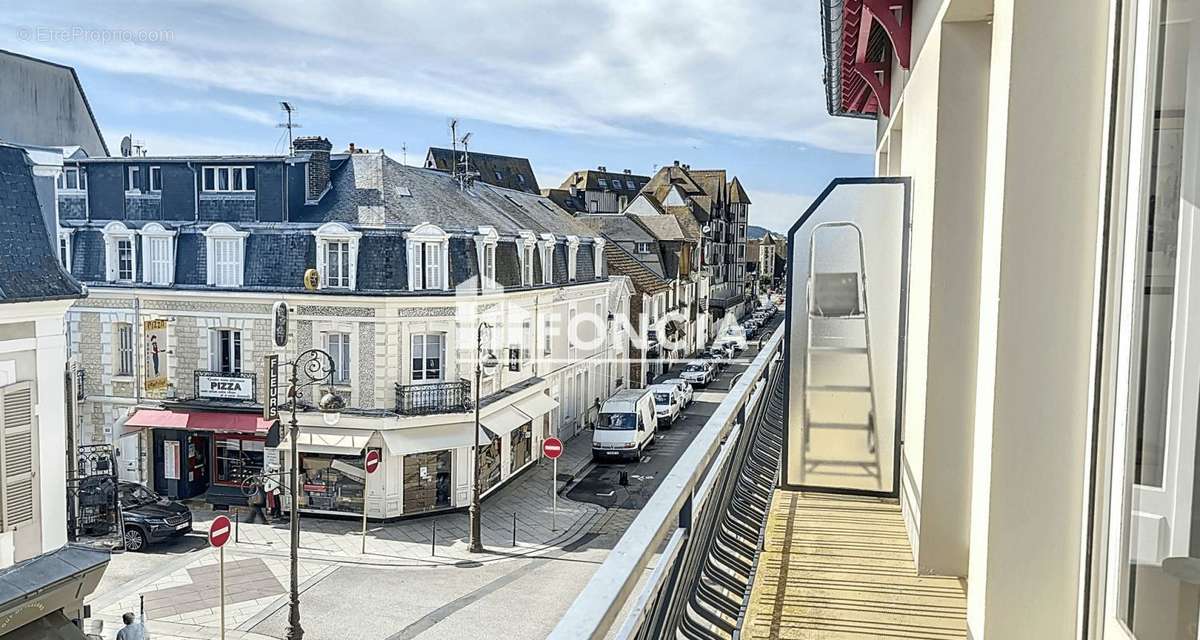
column 434, row 397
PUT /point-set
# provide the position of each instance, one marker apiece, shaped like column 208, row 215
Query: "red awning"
column 200, row 421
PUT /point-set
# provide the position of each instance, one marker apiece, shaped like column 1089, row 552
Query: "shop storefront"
column 332, row 479
column 201, row 454
column 427, row 481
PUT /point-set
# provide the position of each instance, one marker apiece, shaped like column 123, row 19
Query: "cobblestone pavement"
column 176, row 585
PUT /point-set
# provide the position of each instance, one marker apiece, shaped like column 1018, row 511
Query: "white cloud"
column 777, row 211
column 600, row 68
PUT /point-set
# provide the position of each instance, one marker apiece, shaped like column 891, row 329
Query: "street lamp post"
column 317, row 367
column 489, row 362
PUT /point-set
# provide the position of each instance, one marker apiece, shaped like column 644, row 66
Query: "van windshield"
column 662, row 398
column 694, row 367
column 617, row 422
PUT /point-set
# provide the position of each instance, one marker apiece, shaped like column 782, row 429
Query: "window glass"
column 156, row 178
column 617, row 422
column 228, row 351
column 125, row 260
column 1158, row 556
column 338, row 346
column 237, row 459
column 427, row 357
column 331, row 482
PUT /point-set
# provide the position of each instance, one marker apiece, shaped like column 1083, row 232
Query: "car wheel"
column 135, row 540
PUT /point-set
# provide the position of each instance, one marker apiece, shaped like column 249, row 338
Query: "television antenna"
column 287, row 108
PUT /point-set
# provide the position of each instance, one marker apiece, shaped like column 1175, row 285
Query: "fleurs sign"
column 216, row 385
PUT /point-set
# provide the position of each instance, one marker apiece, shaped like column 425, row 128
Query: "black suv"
column 151, row 518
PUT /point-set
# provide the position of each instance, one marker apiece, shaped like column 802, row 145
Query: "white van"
column 668, row 403
column 626, row 425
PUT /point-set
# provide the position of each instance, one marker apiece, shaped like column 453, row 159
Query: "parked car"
column 626, row 425
column 668, row 403
column 733, row 336
column 685, row 390
column 700, row 372
column 150, row 518
column 716, row 355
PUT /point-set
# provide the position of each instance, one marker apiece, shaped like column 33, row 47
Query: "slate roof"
column 514, row 172
column 29, row 267
column 626, row 232
column 54, row 66
column 564, row 199
column 664, row 227
column 687, row 222
column 737, row 195
column 613, row 181
column 382, row 199
column 712, row 181
column 621, row 262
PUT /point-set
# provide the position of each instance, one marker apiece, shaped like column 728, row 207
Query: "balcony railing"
column 432, row 398
column 682, row 525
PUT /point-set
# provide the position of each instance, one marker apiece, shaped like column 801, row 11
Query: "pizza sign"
column 224, row 386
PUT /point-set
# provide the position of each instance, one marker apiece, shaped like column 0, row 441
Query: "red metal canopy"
column 859, row 66
column 200, row 421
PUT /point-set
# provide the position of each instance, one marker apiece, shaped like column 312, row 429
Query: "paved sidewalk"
column 181, row 601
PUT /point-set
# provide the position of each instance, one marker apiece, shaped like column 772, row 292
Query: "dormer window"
column 133, row 176
column 642, row 247
column 428, row 258
column 158, row 251
column 547, row 247
column 228, row 179
column 526, row 245
column 485, row 250
column 226, row 255
column 72, row 179
column 337, row 255
column 64, row 247
column 603, row 183
column 572, row 254
column 155, row 179
column 119, row 253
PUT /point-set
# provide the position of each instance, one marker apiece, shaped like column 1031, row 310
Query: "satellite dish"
column 127, row 146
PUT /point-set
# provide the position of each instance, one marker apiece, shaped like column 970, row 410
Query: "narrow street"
column 400, row 590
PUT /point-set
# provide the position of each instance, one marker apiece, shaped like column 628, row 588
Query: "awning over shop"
column 536, row 405
column 199, row 421
column 50, row 582
column 436, row 438
column 332, row 440
column 54, row 626
column 504, row 421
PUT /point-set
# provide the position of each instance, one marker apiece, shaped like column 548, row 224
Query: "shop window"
column 521, row 446
column 427, row 355
column 331, row 482
column 427, row 481
column 237, row 459
column 489, row 465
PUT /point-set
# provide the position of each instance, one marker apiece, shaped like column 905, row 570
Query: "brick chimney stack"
column 318, row 149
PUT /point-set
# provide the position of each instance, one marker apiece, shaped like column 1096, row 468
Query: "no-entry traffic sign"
column 552, row 448
column 372, row 462
column 218, row 532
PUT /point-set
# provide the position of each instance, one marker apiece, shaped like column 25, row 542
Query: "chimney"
column 629, row 172
column 318, row 149
column 677, row 163
column 602, row 168
column 351, row 149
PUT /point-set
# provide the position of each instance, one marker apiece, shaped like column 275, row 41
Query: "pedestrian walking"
column 257, row 502
column 274, row 494
column 133, row 629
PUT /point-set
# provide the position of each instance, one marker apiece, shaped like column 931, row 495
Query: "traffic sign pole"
column 553, row 448
column 218, row 535
column 370, row 464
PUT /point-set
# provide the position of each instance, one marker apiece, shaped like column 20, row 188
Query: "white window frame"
column 546, row 244
column 572, row 258
column 80, row 180
column 329, row 234
column 224, row 233
column 133, row 173
column 603, row 182
column 65, row 247
column 486, row 240
column 155, row 183
column 230, row 172
column 116, row 233
column 158, row 253
column 236, row 346
column 428, row 248
column 339, row 345
column 639, row 246
column 425, row 356
column 123, row 350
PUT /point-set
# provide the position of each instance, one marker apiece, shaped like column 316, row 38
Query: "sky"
column 637, row 84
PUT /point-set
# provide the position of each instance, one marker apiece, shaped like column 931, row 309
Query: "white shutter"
column 16, row 455
column 416, row 271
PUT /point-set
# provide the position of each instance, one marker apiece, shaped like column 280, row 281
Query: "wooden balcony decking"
column 838, row 568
